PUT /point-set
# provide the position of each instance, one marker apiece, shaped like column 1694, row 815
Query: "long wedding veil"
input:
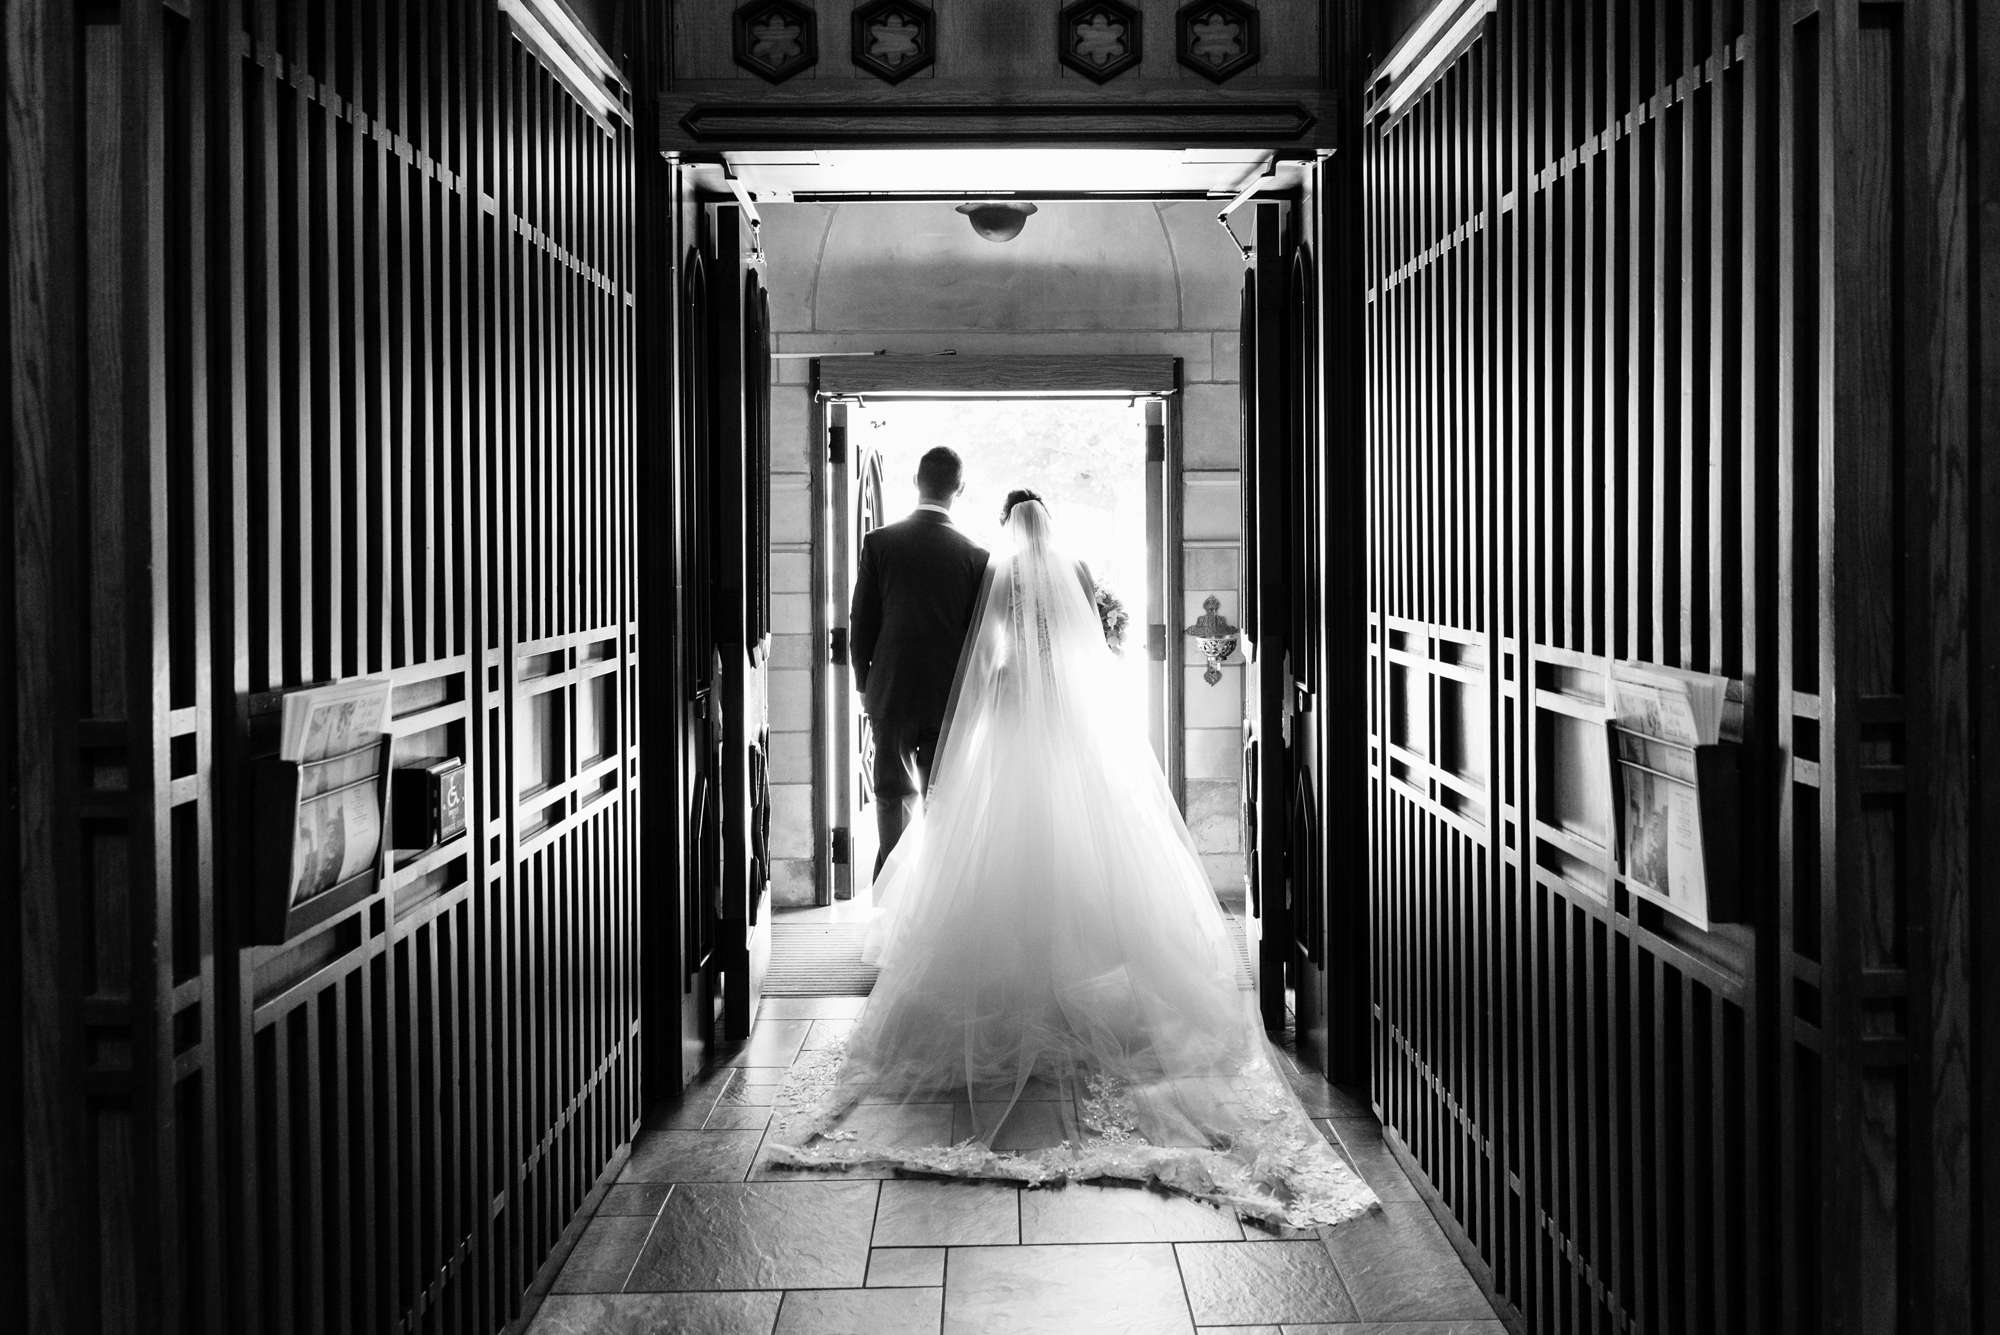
column 1035, row 665
column 1058, row 997
column 1051, row 902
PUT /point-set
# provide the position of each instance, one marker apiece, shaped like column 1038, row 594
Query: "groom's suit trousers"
column 902, row 776
column 914, row 595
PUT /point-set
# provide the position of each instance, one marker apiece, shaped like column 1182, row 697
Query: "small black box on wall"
column 428, row 804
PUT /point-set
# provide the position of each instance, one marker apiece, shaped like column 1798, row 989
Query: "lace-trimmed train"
column 1057, row 999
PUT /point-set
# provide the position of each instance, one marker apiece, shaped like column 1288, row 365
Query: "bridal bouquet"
column 1113, row 615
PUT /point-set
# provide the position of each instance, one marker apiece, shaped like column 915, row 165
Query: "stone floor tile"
column 1398, row 1266
column 1109, row 1289
column 1082, row 1213
column 905, row 1267
column 759, row 1235
column 733, row 1117
column 1039, row 1090
column 657, row 1314
column 753, row 1087
column 1400, row 1328
column 1379, row 1168
column 691, row 1107
column 921, row 1213
column 811, row 1008
column 1252, row 1330
column 1352, row 1131
column 603, row 1256
column 1258, row 1230
column 643, row 1198
column 901, row 1124
column 860, row 1312
column 1230, row 1283
column 1034, row 1125
column 1344, row 1100
column 826, row 1033
column 771, row 1043
column 692, row 1156
column 1324, row 1100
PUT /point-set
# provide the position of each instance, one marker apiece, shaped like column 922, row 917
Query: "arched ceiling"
column 1075, row 266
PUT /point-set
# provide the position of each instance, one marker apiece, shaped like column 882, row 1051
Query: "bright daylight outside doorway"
column 1086, row 457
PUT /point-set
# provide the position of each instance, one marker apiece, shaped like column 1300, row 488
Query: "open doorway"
column 1098, row 457
column 1086, row 457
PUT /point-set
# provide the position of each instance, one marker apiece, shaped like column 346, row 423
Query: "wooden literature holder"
column 1717, row 787
column 279, row 789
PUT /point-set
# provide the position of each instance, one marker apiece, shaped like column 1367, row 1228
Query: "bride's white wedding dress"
column 1058, row 996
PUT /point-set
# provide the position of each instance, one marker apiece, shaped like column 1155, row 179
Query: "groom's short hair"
column 940, row 471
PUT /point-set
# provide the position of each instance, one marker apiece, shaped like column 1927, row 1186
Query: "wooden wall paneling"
column 141, row 798
column 1984, row 291
column 49, row 1275
column 354, row 387
column 1556, row 242
column 1012, row 40
column 1937, row 403
column 401, row 1088
column 1875, row 396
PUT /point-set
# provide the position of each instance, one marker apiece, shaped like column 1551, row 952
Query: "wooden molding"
column 721, row 115
column 997, row 376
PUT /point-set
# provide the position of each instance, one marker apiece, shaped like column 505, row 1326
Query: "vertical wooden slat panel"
column 282, row 272
column 1566, row 480
column 1729, row 246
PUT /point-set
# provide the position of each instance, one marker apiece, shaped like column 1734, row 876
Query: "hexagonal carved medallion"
column 1099, row 39
column 893, row 39
column 775, row 39
column 1217, row 38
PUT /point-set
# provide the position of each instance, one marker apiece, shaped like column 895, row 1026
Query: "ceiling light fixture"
column 997, row 220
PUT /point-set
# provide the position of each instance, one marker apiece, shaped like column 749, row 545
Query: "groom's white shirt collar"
column 932, row 505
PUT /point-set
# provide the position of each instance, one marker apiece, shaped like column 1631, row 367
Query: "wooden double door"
column 719, row 588
column 1305, row 695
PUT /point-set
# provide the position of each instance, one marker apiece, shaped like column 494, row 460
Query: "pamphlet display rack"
column 314, row 820
column 1676, row 814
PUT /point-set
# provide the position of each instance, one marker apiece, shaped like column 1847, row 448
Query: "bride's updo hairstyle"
column 1014, row 498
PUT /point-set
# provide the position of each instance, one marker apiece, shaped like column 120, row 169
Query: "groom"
column 913, row 601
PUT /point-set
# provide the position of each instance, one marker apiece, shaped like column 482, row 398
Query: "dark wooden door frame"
column 841, row 492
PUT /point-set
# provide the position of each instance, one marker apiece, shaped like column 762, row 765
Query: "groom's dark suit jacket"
column 913, row 602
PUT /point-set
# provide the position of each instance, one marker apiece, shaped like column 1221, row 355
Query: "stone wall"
column 1082, row 277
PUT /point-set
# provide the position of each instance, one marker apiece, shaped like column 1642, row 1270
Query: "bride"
column 1055, row 970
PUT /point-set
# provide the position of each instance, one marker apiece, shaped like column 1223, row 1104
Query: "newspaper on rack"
column 1663, row 845
column 1672, row 704
column 339, row 835
column 333, row 720
column 1663, row 714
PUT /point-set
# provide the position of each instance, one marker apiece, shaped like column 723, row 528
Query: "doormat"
column 818, row 959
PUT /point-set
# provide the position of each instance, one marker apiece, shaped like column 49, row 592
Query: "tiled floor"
column 701, row 1236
